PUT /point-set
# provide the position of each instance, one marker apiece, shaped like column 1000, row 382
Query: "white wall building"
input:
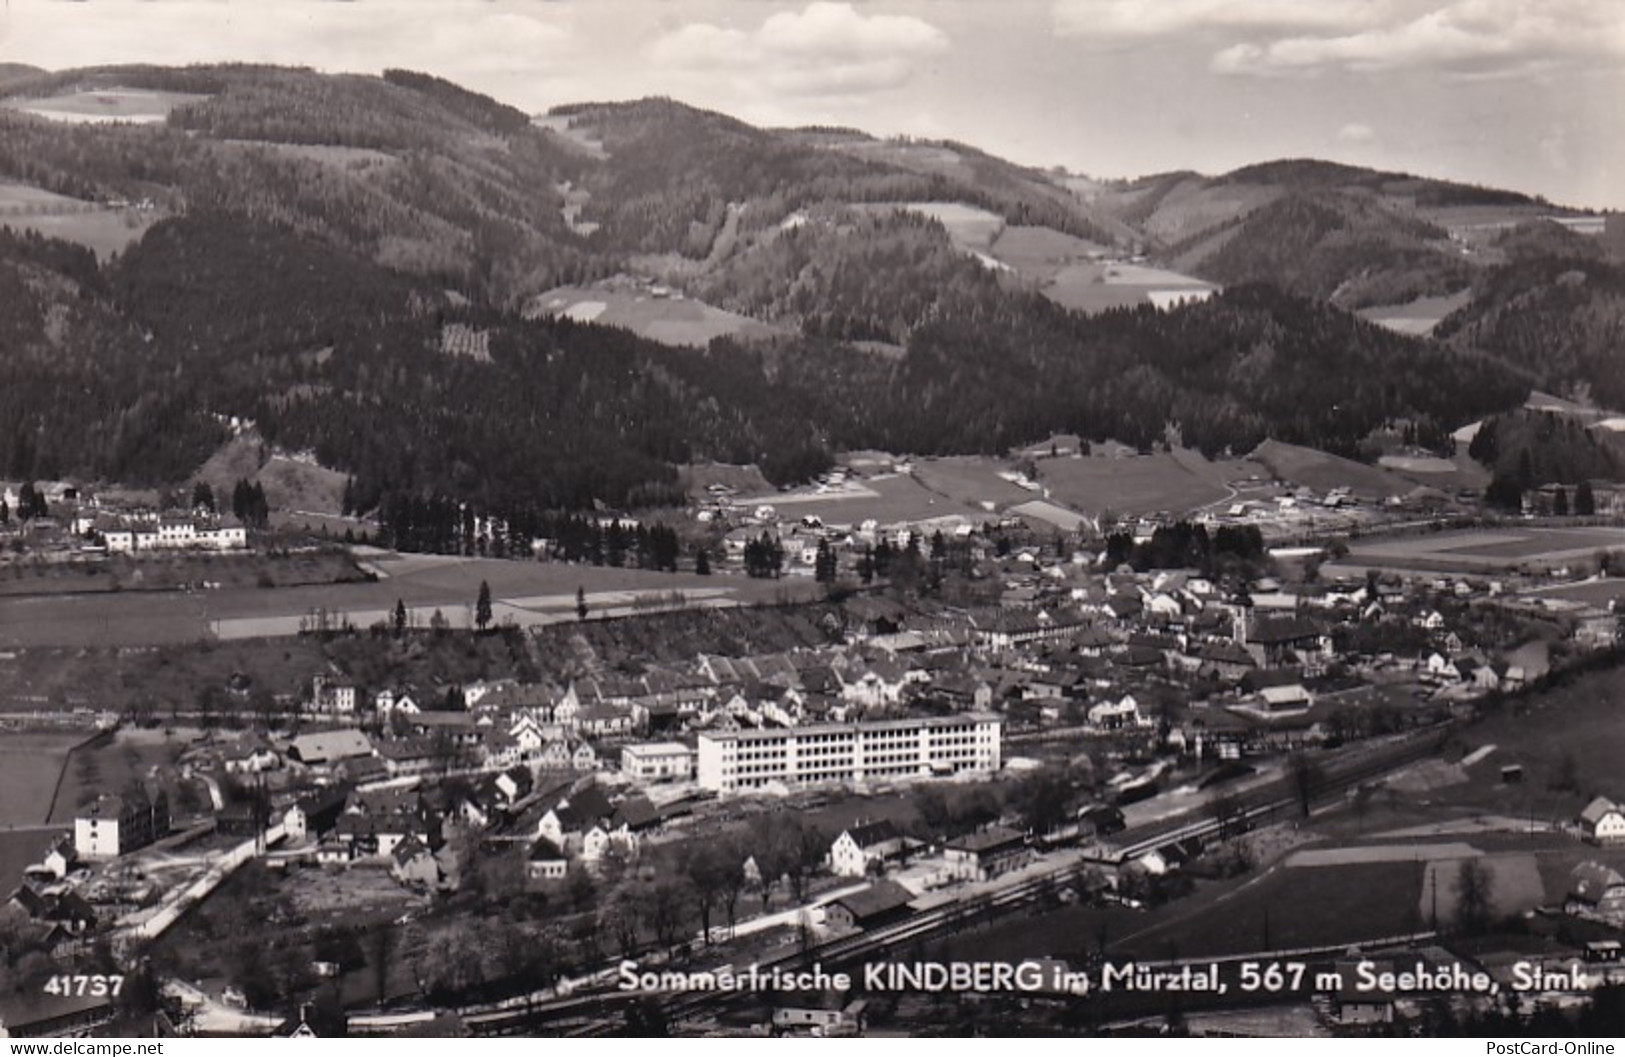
column 658, row 761
column 857, row 752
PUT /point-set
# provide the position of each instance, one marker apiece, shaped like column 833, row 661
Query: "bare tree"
column 1473, row 887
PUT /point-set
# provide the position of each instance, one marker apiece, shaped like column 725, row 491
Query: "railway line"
column 597, row 1008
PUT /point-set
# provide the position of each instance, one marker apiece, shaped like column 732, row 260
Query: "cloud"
column 1150, row 18
column 1355, row 132
column 827, row 49
column 1466, row 38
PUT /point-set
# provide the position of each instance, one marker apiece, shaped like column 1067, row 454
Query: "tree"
column 581, row 603
column 203, row 497
column 1306, row 780
column 1585, row 502
column 482, row 606
column 1560, row 503
column 702, row 562
column 400, row 617
column 1473, row 888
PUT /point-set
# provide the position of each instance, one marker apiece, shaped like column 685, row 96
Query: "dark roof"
column 869, row 834
column 994, row 838
column 1284, row 630
column 883, row 897
column 545, row 850
column 636, row 812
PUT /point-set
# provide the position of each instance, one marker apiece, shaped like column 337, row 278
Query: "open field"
column 971, row 480
column 1040, row 253
column 134, row 105
column 541, row 590
column 1290, row 908
column 670, row 320
column 887, row 498
column 968, row 227
column 175, row 571
column 1581, row 719
column 1323, row 472
column 1417, row 317
column 1136, row 484
column 103, row 231
column 1099, row 286
column 30, row 764
column 1484, row 550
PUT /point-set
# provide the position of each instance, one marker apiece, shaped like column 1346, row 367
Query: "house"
column 879, row 904
column 1596, row 892
column 860, row 848
column 1291, row 696
column 1602, row 822
column 546, row 862
column 987, row 853
column 825, row 1013
column 315, row 815
column 413, row 864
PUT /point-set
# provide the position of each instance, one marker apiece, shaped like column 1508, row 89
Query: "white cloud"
column 1355, row 132
column 1460, row 37
column 827, row 49
column 1148, row 18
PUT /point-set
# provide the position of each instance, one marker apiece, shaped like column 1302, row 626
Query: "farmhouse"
column 328, row 747
column 856, row 849
column 1596, row 892
column 1602, row 822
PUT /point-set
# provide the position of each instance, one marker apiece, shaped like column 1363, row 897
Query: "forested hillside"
column 315, row 244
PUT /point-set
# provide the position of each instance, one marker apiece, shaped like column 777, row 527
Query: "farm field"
column 1041, row 253
column 103, row 231
column 1295, row 907
column 1483, row 550
column 1099, row 286
column 1137, row 484
column 971, row 480
column 668, row 320
column 1580, row 720
column 134, row 105
column 1597, row 592
column 175, row 571
column 1323, row 472
column 423, row 582
column 968, row 227
column 887, row 498
column 1417, row 317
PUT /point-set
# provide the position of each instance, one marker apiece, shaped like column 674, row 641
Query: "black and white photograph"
column 812, row 518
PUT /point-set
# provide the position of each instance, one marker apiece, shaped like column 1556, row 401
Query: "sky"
column 1522, row 94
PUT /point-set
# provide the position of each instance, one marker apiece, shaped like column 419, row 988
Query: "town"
column 1003, row 714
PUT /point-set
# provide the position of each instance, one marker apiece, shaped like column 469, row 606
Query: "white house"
column 853, row 852
column 1603, row 822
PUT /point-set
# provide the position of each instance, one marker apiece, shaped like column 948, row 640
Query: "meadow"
column 668, row 320
column 1138, row 484
column 1484, row 550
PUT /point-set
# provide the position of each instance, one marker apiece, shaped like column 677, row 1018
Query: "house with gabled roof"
column 1602, row 822
column 1596, row 892
column 860, row 848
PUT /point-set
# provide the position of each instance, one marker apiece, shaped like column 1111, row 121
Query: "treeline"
column 1334, row 246
column 440, row 524
column 1543, row 447
column 214, row 314
column 1229, row 549
column 1559, row 315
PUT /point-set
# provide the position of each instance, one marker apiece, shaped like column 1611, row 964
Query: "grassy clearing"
column 170, row 572
column 1133, row 485
column 136, row 105
column 1324, row 472
column 1485, row 549
column 971, row 480
column 886, row 499
column 667, row 320
column 30, row 763
column 104, row 231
